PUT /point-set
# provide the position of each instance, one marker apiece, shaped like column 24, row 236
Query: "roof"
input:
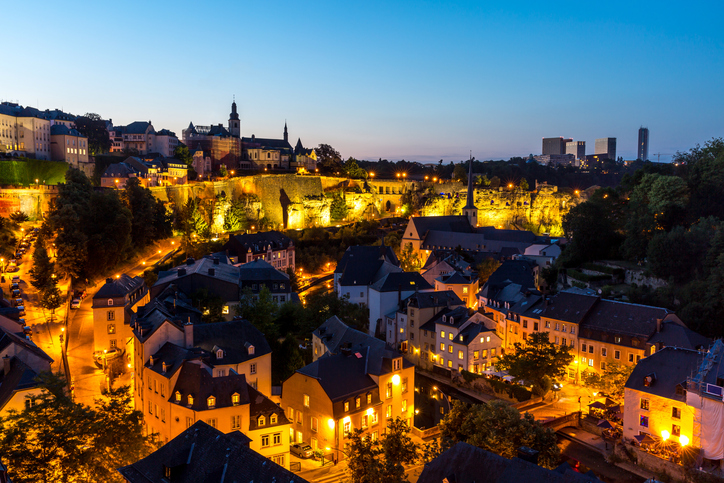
column 257, row 242
column 235, row 337
column 206, row 267
column 334, row 333
column 20, row 377
column 119, row 287
column 465, row 463
column 623, row 317
column 510, row 271
column 459, row 316
column 671, row 366
column 260, row 269
column 456, row 223
column 268, row 143
column 423, row 300
column 203, row 453
column 569, row 307
column 63, row 130
column 119, row 170
column 363, row 265
column 341, row 375
column 138, row 127
column 457, row 278
column 197, row 381
column 7, row 337
column 405, row 281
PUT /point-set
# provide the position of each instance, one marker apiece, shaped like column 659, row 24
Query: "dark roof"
column 138, row 127
column 360, row 265
column 196, row 380
column 119, row 287
column 404, row 281
column 20, row 377
column 518, row 236
column 7, row 337
column 234, row 337
column 202, row 453
column 119, row 170
column 569, row 307
column 260, row 269
column 63, row 130
column 221, row 271
column 622, row 317
column 424, row 300
column 519, row 272
column 465, row 463
column 268, row 143
column 257, row 242
column 333, row 333
column 456, row 223
column 671, row 367
column 341, row 375
column 459, row 316
column 458, row 278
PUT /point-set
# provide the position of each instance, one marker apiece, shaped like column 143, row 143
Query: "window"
column 178, row 396
column 676, row 413
column 556, row 339
column 369, row 398
column 273, row 419
column 347, row 427
column 558, row 326
column 604, row 352
column 191, row 400
column 150, row 407
column 492, row 352
column 211, row 402
column 111, row 315
column 110, row 302
column 404, row 385
column 450, row 348
column 251, row 351
column 265, row 441
column 525, row 324
column 364, row 421
column 617, row 355
column 644, row 404
column 485, row 353
column 590, row 362
column 211, row 422
column 603, row 366
column 450, row 335
column 548, row 324
column 346, row 406
column 563, row 327
column 404, row 405
column 375, row 417
column 584, row 361
column 389, row 411
column 563, row 341
column 361, row 294
column 111, row 328
column 290, row 413
column 306, row 400
column 235, row 399
column 476, row 355
column 261, row 421
column 357, row 402
column 630, row 357
column 449, row 363
column 277, row 438
column 236, row 422
column 583, row 347
column 189, row 422
column 442, row 347
column 644, row 421
column 388, row 394
column 617, row 340
column 573, row 329
column 278, row 459
column 315, row 424
column 252, row 368
column 675, row 430
column 442, row 334
column 460, row 354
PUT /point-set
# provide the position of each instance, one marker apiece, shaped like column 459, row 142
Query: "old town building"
column 113, row 307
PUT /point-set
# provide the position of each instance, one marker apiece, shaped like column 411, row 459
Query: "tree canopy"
column 381, row 460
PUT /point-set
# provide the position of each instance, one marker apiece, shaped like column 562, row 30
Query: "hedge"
column 520, row 393
column 24, row 172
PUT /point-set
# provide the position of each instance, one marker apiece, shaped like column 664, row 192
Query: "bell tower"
column 469, row 209
column 234, row 122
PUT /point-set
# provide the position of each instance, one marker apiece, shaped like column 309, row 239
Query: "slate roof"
column 221, row 271
column 202, row 453
column 233, row 337
column 7, row 337
column 268, row 143
column 455, row 223
column 261, row 270
column 465, row 463
column 392, row 282
column 672, row 366
column 239, row 245
column 119, row 170
column 510, row 271
column 569, row 307
column 20, row 377
column 673, row 334
column 460, row 315
column 334, row 333
column 63, row 130
column 457, row 278
column 118, row 287
column 362, row 265
column 196, row 380
column 138, row 127
column 341, row 375
column 622, row 317
column 424, row 300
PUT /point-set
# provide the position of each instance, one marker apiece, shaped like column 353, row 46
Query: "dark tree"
column 94, row 128
column 328, row 159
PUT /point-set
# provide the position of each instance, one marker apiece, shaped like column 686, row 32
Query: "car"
column 27, row 330
column 16, row 278
column 16, row 293
column 18, row 302
column 21, row 310
column 75, row 304
column 301, row 450
column 14, row 286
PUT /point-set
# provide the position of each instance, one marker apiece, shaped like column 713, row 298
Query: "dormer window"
column 369, row 398
column 461, row 338
column 178, row 397
column 452, row 320
column 110, row 302
column 273, row 419
column 235, row 399
column 211, row 402
column 191, row 400
column 220, row 354
column 163, row 367
column 262, row 421
column 397, row 364
column 357, row 402
column 346, row 406
column 251, row 350
column 444, row 320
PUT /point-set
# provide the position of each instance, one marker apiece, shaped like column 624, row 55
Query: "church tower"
column 234, row 122
column 470, row 210
column 286, row 134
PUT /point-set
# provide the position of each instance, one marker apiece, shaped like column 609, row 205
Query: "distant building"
column 360, row 267
column 606, row 148
column 203, row 453
column 555, row 159
column 576, row 148
column 24, row 131
column 222, row 145
column 272, row 246
column 643, row 145
column 150, row 172
column 113, row 307
column 555, row 145
column 67, row 144
column 304, row 159
column 264, row 153
column 141, row 138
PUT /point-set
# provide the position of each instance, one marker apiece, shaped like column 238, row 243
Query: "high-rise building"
column 643, row 146
column 607, row 147
column 555, row 145
column 576, row 148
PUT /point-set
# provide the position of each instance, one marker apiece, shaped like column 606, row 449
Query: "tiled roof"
column 671, row 367
column 119, row 287
column 204, row 454
column 404, row 281
column 424, row 300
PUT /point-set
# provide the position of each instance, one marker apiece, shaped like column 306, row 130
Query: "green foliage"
column 536, row 362
column 550, row 277
column 338, row 208
column 235, row 217
column 24, row 172
column 223, row 172
column 353, row 170
column 381, row 460
column 592, row 233
column 612, row 380
column 55, row 439
column 495, row 182
column 578, row 275
column 260, row 310
column 43, row 268
column 50, row 298
column 460, row 173
column 499, row 428
column 19, row 217
column 410, row 261
column 183, row 154
column 94, row 128
column 210, row 305
column 524, row 185
column 287, row 358
column 150, row 222
column 328, row 159
column 486, row 268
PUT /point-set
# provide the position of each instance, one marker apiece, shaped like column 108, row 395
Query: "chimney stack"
column 528, row 454
column 189, row 334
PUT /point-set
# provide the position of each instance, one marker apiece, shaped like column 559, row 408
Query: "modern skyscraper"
column 607, row 147
column 576, row 148
column 643, row 148
column 555, row 145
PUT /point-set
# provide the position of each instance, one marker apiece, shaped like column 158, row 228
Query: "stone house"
column 113, row 307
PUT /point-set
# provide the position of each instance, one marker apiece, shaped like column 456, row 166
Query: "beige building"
column 464, row 284
column 113, row 307
column 24, row 131
column 67, row 144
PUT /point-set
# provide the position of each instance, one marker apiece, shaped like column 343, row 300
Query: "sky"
column 417, row 80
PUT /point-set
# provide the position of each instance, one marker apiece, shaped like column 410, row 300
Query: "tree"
column 353, row 170
column 612, row 381
column 50, row 298
column 495, row 182
column 591, row 232
column 55, row 439
column 19, row 216
column 524, row 184
column 537, row 362
column 328, row 159
column 40, row 274
column 486, row 268
column 183, row 154
column 460, row 173
column 94, row 128
column 338, row 208
column 500, row 429
column 410, row 261
column 260, row 310
column 149, row 219
column 381, row 460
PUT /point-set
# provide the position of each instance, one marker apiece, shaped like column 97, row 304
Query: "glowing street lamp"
column 372, row 174
column 665, row 435
column 684, row 440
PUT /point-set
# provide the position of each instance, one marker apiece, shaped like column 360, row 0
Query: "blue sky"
column 418, row 80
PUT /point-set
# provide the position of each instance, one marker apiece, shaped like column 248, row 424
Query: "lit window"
column 211, row 401
column 460, row 354
column 450, row 335
column 644, row 421
column 261, row 421
column 191, row 400
column 644, row 404
column 357, row 402
column 369, row 398
column 306, row 400
column 178, row 396
column 346, row 406
column 273, row 419
column 389, row 411
column 235, row 399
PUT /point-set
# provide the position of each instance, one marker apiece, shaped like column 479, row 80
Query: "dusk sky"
column 415, row 80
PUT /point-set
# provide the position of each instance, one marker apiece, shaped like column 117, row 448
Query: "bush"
column 24, row 172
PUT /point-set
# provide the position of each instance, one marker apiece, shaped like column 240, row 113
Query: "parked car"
column 21, row 310
column 75, row 304
column 18, row 302
column 16, row 293
column 14, row 286
column 16, row 278
column 301, row 450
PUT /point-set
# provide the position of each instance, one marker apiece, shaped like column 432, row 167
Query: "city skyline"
column 402, row 80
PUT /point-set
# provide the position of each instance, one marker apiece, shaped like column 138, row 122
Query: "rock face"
column 540, row 211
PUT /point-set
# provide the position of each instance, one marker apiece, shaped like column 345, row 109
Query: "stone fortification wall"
column 34, row 202
column 540, row 210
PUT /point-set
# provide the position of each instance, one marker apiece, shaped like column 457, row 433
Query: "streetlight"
column 372, row 174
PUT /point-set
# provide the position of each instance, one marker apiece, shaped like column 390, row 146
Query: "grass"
column 24, row 171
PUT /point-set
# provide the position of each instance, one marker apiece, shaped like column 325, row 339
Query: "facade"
column 465, row 341
column 20, row 363
column 24, row 131
column 222, row 145
column 202, row 163
column 564, row 159
column 606, row 147
column 359, row 268
column 67, row 144
column 266, row 154
column 203, row 453
column 464, row 284
column 577, row 149
column 643, row 144
column 150, row 172
column 258, row 274
column 272, row 246
column 555, row 145
column 361, row 387
column 385, row 295
column 305, row 160
column 113, row 307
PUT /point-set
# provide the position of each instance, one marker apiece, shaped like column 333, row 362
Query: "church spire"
column 470, row 210
column 286, row 134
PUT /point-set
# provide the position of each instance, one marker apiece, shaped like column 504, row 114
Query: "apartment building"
column 113, row 307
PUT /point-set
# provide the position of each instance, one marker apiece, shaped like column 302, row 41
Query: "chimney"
column 527, row 454
column 6, row 364
column 151, row 361
column 658, row 325
column 212, row 271
column 181, row 272
column 216, row 260
column 346, row 348
column 190, row 261
column 109, row 280
column 189, row 334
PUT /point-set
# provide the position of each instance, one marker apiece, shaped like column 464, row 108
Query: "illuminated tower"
column 470, row 210
column 234, row 122
column 643, row 153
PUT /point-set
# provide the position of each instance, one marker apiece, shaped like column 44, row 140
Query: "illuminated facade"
column 113, row 306
column 24, row 131
column 67, row 144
